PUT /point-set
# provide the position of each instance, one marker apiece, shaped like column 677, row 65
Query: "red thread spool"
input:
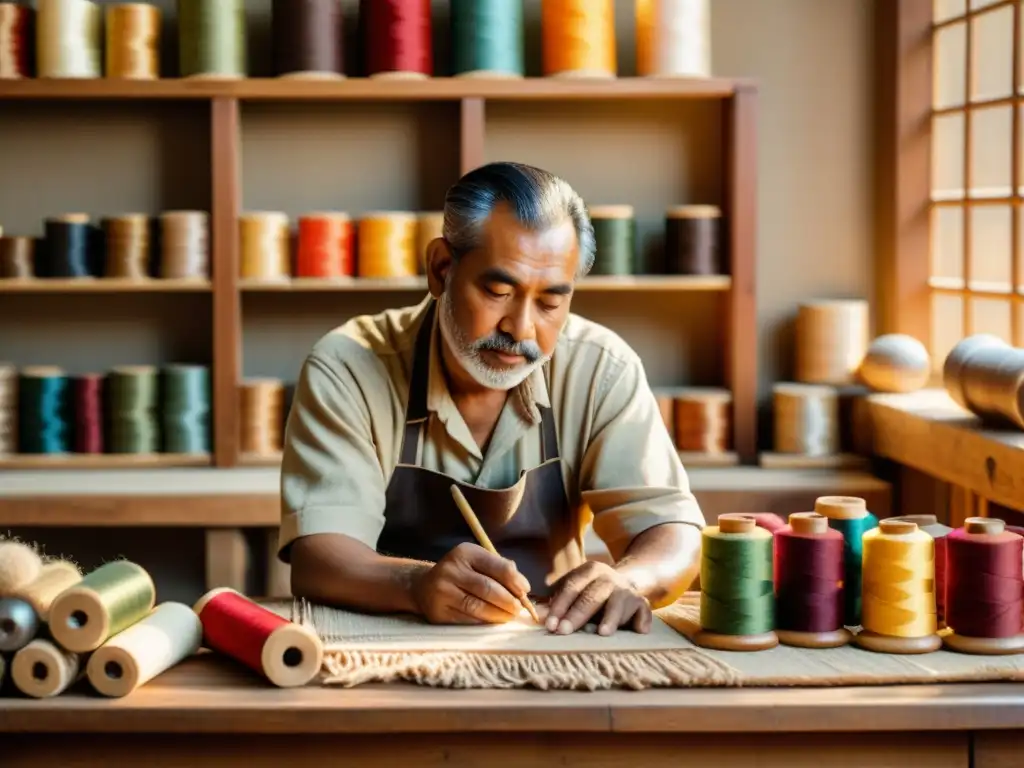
column 325, row 246
column 397, row 36
column 984, row 588
column 769, row 521
column 17, row 34
column 87, row 402
column 809, row 570
column 287, row 654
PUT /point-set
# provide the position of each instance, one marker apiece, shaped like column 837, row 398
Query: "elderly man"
column 544, row 420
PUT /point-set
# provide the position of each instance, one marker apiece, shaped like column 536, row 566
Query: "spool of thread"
column 308, row 39
column 264, row 240
column 287, row 654
column 849, row 515
column 129, row 660
column 18, row 624
column 931, row 525
column 809, row 583
column 984, row 588
column 17, row 34
column 186, row 409
column 831, row 340
column 105, row 602
column 8, row 409
column 128, row 246
column 806, row 419
column 43, row 411
column 985, row 375
column 615, row 239
column 212, row 38
column 68, row 39
column 20, row 565
column 54, row 577
column 398, row 38
column 134, row 403
column 184, row 245
column 133, row 41
column 87, row 397
column 325, row 246
column 487, row 38
column 17, row 258
column 41, row 670
column 262, row 417
column 429, row 227
column 387, row 245
column 737, row 602
column 578, row 38
column 895, row 362
column 769, row 521
column 673, row 38
column 692, row 240
column 899, row 590
column 703, row 420
column 71, row 247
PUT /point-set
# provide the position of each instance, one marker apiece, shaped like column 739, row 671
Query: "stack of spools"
column 131, row 410
column 263, row 412
column 699, row 420
column 134, row 246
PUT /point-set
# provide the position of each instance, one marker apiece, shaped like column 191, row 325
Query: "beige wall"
column 813, row 61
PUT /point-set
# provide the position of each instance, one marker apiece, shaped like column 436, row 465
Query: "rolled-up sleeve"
column 631, row 476
column 331, row 475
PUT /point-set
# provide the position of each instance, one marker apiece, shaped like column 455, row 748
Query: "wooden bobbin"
column 41, row 669
column 872, row 641
column 812, row 524
column 984, row 646
column 841, row 507
column 743, row 524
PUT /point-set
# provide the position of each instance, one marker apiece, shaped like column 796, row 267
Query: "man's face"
column 504, row 304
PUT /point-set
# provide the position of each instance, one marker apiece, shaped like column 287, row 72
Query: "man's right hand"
column 470, row 585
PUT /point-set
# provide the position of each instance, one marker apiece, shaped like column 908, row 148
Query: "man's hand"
column 595, row 588
column 469, row 585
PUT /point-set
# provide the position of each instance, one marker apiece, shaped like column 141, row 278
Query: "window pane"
column 975, row 4
column 991, row 151
column 990, row 247
column 991, row 316
column 947, row 326
column 950, row 59
column 945, row 9
column 992, row 48
column 948, row 242
column 948, row 156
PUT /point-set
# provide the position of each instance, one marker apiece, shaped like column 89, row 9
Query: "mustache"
column 502, row 342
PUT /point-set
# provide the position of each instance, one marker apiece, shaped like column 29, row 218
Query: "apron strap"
column 416, row 410
column 548, row 435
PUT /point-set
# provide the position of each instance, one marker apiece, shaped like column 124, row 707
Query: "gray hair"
column 538, row 200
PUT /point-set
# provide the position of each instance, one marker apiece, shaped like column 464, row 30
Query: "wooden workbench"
column 209, row 712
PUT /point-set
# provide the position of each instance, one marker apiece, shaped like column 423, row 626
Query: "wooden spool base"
column 833, row 639
column 984, row 646
column 872, row 641
column 718, row 642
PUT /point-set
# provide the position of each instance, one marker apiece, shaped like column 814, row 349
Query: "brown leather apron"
column 531, row 522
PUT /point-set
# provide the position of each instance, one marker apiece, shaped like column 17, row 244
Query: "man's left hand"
column 595, row 589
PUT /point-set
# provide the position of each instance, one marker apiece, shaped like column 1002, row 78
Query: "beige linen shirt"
column 345, row 430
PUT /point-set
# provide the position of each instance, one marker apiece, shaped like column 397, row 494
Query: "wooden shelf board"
column 769, row 460
column 367, row 89
column 101, row 461
column 103, row 285
column 256, row 460
column 588, row 284
column 692, row 459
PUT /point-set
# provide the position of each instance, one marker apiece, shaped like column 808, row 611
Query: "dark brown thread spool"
column 692, row 240
column 17, row 258
column 308, row 39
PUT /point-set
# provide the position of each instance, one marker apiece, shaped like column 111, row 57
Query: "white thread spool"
column 264, row 240
column 69, row 39
column 806, row 419
column 673, row 38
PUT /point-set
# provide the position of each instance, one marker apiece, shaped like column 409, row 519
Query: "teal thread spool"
column 212, row 38
column 737, row 592
column 134, row 403
column 186, row 409
column 615, row 238
column 44, row 408
column 105, row 602
column 487, row 38
column 849, row 515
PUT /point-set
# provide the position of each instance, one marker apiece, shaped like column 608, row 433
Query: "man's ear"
column 438, row 263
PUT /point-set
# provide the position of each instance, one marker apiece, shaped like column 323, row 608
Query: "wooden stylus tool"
column 484, row 540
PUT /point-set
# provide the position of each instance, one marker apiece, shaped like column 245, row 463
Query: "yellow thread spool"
column 69, row 39
column 898, row 608
column 387, row 245
column 264, row 240
column 429, row 227
column 578, row 38
column 133, row 41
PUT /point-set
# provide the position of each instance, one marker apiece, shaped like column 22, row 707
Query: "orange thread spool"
column 578, row 38
column 387, row 245
column 324, row 247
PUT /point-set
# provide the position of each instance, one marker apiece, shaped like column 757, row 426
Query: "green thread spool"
column 849, row 515
column 105, row 602
column 212, row 38
column 186, row 409
column 615, row 238
column 737, row 594
column 134, row 403
column 487, row 38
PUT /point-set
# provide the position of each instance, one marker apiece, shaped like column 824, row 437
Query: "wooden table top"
column 209, row 694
